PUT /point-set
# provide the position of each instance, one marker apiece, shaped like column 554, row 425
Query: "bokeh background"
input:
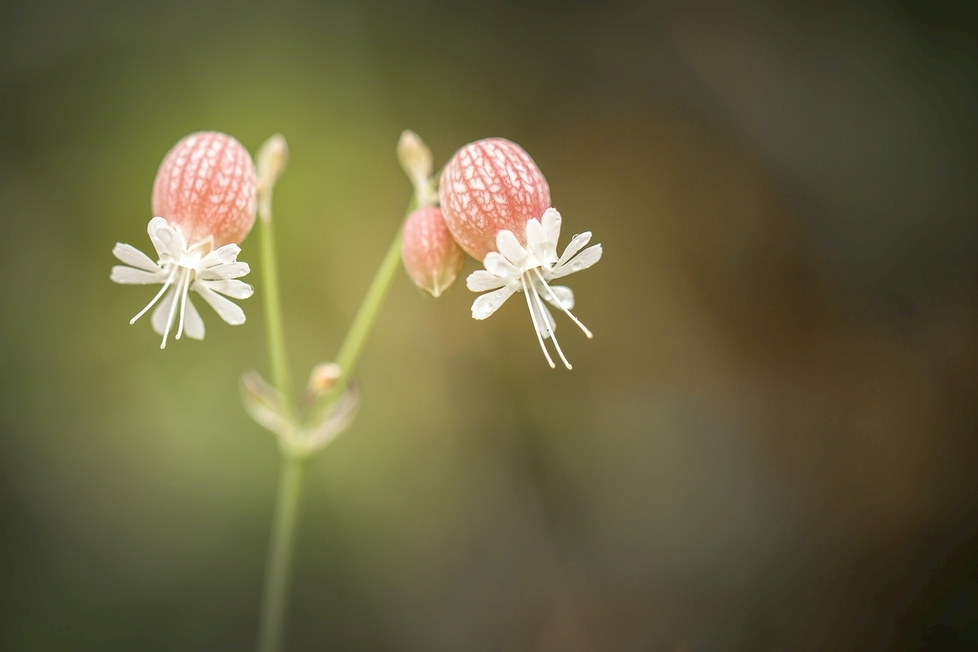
column 770, row 444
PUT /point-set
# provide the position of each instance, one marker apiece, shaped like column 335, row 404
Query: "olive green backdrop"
column 768, row 445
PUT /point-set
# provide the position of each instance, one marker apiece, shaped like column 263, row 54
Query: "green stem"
column 275, row 596
column 278, row 565
column 355, row 337
column 273, row 308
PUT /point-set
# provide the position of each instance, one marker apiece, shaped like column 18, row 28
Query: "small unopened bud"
column 272, row 158
column 415, row 158
column 324, row 376
column 414, row 155
column 431, row 257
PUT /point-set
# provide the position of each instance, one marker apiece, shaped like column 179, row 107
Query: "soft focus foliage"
column 768, row 444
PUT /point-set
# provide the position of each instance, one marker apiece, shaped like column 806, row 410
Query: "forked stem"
column 278, row 569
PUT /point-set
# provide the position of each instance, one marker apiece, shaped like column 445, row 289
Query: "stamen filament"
column 561, row 305
column 553, row 334
column 183, row 302
column 536, row 326
column 159, row 294
column 173, row 309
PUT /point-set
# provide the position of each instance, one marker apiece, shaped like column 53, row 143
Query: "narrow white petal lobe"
column 193, row 324
column 482, row 281
column 585, row 259
column 226, row 310
column 511, row 248
column 489, row 303
column 131, row 276
column 576, row 244
column 134, row 257
column 233, row 289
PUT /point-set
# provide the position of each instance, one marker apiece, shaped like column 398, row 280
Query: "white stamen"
column 179, row 269
column 561, row 305
column 159, row 294
column 553, row 333
column 183, row 301
column 173, row 309
column 536, row 326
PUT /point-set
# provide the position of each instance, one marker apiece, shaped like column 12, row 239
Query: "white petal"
column 509, row 246
column 551, row 233
column 131, row 276
column 497, row 265
column 228, row 311
column 583, row 260
column 193, row 325
column 489, row 303
column 563, row 293
column 231, row 270
column 535, row 240
column 220, row 256
column 481, row 281
column 162, row 312
column 134, row 257
column 233, row 289
column 576, row 244
column 166, row 239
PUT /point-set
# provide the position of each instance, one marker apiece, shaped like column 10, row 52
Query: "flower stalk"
column 275, row 334
column 299, row 443
column 353, row 342
column 275, row 595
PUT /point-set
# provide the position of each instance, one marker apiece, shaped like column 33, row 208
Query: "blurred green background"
column 770, row 444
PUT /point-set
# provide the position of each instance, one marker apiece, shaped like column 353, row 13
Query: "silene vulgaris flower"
column 204, row 201
column 496, row 204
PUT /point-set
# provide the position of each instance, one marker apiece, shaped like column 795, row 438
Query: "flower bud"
column 324, row 376
column 271, row 160
column 489, row 186
column 205, row 187
column 431, row 257
column 415, row 157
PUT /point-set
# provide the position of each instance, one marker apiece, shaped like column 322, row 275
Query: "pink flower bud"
column 205, row 187
column 488, row 186
column 432, row 259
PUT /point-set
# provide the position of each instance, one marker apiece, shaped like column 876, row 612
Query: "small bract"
column 204, row 204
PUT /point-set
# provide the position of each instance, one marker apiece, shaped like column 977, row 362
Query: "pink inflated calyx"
column 489, row 186
column 205, row 187
column 431, row 257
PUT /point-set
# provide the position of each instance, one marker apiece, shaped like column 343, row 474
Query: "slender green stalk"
column 273, row 308
column 355, row 337
column 275, row 592
column 278, row 565
column 275, row 597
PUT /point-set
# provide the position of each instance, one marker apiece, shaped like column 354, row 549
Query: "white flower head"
column 530, row 269
column 181, row 268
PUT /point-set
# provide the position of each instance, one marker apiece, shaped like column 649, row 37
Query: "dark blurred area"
column 770, row 444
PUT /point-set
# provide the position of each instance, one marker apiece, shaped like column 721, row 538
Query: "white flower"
column 180, row 269
column 529, row 270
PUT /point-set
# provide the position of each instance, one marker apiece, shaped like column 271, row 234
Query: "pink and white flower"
column 204, row 200
column 496, row 204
